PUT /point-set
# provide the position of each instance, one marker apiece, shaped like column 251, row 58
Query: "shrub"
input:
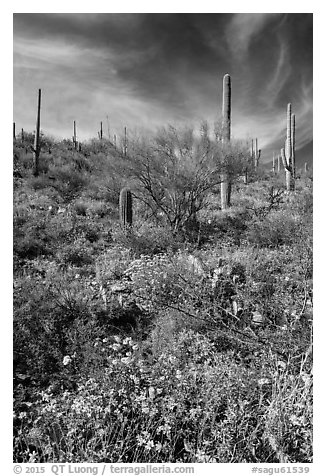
column 277, row 229
column 30, row 237
column 78, row 253
column 68, row 181
column 148, row 239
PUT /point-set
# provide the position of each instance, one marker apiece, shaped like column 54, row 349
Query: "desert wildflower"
column 126, row 360
column 158, row 446
column 149, row 445
column 151, row 392
column 116, row 346
column 66, row 360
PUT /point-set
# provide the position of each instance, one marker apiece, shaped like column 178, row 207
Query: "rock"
column 196, row 265
column 257, row 318
column 119, row 288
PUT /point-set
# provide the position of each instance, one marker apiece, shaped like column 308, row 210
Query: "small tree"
column 174, row 171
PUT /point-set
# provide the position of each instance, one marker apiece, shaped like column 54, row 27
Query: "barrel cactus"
column 125, row 208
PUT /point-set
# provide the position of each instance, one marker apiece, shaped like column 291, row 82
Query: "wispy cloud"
column 281, row 74
column 242, row 29
column 147, row 70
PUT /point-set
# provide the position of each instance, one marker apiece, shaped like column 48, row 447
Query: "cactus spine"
column 125, row 208
column 226, row 135
column 288, row 151
column 37, row 145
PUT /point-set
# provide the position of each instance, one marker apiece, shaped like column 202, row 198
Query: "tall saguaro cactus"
column 226, row 135
column 257, row 153
column 288, row 152
column 14, row 131
column 108, row 124
column 293, row 144
column 125, row 208
column 273, row 168
column 125, row 146
column 37, row 143
column 74, row 137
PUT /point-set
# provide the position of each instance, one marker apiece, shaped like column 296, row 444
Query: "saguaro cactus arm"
column 284, row 160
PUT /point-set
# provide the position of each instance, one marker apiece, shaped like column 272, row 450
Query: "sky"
column 146, row 70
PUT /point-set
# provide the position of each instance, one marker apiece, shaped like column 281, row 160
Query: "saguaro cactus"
column 125, row 208
column 37, row 145
column 14, row 131
column 108, row 124
column 273, row 163
column 101, row 131
column 278, row 163
column 257, row 153
column 125, row 145
column 293, row 144
column 74, row 137
column 288, row 152
column 226, row 135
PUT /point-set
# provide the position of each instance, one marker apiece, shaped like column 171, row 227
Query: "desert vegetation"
column 157, row 317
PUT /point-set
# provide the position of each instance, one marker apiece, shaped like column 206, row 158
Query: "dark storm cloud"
column 149, row 69
column 146, row 50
